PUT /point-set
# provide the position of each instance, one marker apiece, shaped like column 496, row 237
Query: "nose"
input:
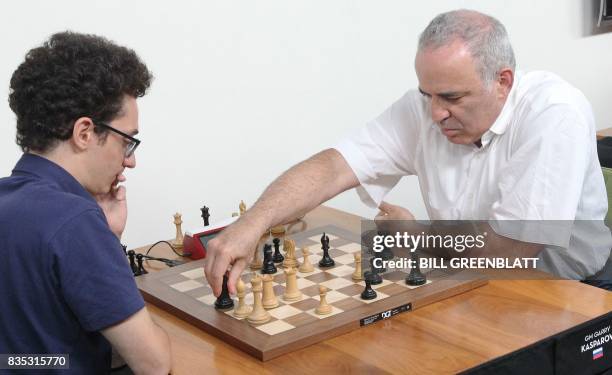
column 130, row 162
column 438, row 112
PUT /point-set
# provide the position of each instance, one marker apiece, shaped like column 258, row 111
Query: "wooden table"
column 445, row 337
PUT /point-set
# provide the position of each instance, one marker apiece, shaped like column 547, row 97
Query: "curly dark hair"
column 72, row 75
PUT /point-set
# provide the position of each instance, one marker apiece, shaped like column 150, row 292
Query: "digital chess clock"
column 195, row 241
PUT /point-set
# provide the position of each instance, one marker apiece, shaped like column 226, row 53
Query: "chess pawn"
column 324, row 308
column 306, row 266
column 224, row 301
column 373, row 275
column 242, row 208
column 259, row 315
column 141, row 269
column 368, row 293
column 256, row 263
column 277, row 257
column 292, row 293
column 178, row 241
column 290, row 258
column 269, row 300
column 357, row 274
column 242, row 310
column 268, row 262
column 132, row 258
column 415, row 277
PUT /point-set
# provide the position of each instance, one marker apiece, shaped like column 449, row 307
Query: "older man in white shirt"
column 485, row 142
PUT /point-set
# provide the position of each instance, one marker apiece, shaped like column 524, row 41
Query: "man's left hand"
column 114, row 206
column 392, row 212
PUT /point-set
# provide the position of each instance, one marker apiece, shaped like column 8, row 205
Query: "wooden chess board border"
column 265, row 347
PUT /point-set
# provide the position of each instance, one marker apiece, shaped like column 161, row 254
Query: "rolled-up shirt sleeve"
column 384, row 150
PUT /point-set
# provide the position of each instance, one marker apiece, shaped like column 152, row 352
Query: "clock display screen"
column 204, row 239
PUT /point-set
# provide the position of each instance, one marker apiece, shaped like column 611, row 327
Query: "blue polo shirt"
column 63, row 273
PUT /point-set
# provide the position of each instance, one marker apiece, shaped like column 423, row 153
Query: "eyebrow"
column 446, row 95
column 133, row 132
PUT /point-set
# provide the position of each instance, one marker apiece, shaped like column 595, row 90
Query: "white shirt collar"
column 500, row 125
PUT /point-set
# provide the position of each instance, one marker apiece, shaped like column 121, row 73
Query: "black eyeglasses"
column 131, row 147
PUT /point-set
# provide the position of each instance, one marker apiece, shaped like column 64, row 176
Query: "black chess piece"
column 324, row 241
column 380, row 268
column 373, row 276
column 268, row 266
column 224, row 301
column 132, row 258
column 278, row 257
column 368, row 292
column 367, row 240
column 386, row 253
column 141, row 270
column 326, row 260
column 415, row 277
column 205, row 215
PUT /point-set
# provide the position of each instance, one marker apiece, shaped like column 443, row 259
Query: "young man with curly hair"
column 65, row 284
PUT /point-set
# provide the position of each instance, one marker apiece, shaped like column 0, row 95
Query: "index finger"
column 385, row 207
column 208, row 265
column 218, row 269
column 235, row 273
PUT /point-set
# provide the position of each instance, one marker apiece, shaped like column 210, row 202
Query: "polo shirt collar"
column 47, row 170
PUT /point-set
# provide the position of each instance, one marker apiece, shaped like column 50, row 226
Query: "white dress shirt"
column 538, row 161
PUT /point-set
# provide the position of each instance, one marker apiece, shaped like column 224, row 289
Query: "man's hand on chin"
column 114, row 206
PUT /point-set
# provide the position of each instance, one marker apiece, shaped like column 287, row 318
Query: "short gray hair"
column 485, row 37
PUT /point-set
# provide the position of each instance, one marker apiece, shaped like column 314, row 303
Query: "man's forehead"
column 448, row 70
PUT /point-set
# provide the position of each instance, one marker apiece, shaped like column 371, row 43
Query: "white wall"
column 244, row 89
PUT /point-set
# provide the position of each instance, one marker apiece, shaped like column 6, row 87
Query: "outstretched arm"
column 297, row 191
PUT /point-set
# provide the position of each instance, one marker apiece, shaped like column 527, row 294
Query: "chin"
column 459, row 140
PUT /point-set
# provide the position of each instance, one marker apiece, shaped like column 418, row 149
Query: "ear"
column 82, row 133
column 505, row 80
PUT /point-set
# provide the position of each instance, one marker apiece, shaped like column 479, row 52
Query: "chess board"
column 184, row 292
